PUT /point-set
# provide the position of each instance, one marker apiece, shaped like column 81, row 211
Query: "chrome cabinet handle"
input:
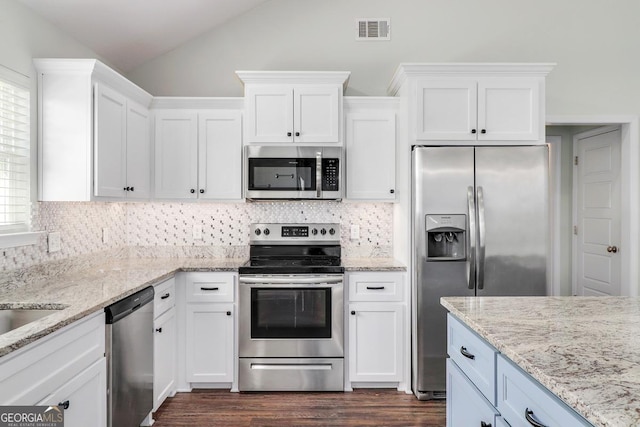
column 471, row 266
column 481, row 238
column 612, row 249
column 466, row 354
column 528, row 415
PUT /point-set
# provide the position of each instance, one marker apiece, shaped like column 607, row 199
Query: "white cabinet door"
column 220, row 155
column 164, row 357
column 316, row 114
column 138, row 174
column 269, row 113
column 84, row 396
column 446, row 110
column 110, row 142
column 209, row 342
column 376, row 336
column 176, row 154
column 371, row 155
column 508, row 109
column 465, row 404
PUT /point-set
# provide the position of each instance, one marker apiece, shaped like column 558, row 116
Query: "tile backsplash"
column 97, row 226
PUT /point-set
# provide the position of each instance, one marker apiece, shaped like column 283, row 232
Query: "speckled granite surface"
column 586, row 350
column 83, row 285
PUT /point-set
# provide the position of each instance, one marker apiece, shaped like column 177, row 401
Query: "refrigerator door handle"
column 471, row 245
column 481, row 238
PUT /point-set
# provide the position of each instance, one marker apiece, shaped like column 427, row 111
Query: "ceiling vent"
column 373, row 29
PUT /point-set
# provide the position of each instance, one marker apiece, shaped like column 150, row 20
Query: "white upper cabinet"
column 471, row 103
column 198, row 151
column 293, row 107
column 370, row 129
column 93, row 133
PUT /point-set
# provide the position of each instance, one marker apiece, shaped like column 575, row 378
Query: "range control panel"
column 291, row 234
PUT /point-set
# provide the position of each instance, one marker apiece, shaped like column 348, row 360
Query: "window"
column 15, row 143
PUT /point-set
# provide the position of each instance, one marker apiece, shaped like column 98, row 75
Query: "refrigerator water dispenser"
column 446, row 237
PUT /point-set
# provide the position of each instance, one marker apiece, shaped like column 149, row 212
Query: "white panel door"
column 371, row 156
column 209, row 339
column 269, row 111
column 508, row 109
column 376, row 334
column 447, row 110
column 176, row 154
column 597, row 181
column 316, row 114
column 220, row 155
column 138, row 152
column 164, row 357
column 110, row 143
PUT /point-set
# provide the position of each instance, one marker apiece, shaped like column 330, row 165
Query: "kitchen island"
column 584, row 350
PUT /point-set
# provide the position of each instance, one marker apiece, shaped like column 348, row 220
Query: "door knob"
column 612, row 249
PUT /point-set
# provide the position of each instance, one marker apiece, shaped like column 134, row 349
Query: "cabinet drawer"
column 165, row 297
column 466, row 406
column 210, row 287
column 30, row 374
column 518, row 393
column 475, row 357
column 376, row 286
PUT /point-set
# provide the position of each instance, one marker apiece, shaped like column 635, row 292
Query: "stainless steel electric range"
column 291, row 324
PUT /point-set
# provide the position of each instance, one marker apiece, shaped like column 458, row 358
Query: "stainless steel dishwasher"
column 129, row 345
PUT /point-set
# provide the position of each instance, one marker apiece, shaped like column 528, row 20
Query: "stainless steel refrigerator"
column 480, row 228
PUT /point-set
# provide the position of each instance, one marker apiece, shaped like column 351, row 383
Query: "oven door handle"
column 292, row 280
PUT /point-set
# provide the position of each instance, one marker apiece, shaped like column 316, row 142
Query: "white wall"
column 594, row 43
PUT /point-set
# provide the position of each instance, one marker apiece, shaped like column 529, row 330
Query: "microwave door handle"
column 319, row 174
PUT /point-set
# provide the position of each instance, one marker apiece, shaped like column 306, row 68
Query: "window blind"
column 15, row 142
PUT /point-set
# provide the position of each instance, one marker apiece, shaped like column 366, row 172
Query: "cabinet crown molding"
column 188, row 103
column 462, row 69
column 96, row 70
column 295, row 77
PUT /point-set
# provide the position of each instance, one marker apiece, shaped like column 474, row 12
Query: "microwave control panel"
column 330, row 174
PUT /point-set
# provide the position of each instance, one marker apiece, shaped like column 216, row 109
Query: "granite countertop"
column 585, row 350
column 79, row 287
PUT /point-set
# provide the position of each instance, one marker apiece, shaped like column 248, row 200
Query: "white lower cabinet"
column 209, row 329
column 81, row 397
column 164, row 342
column 376, row 329
column 67, row 367
column 461, row 393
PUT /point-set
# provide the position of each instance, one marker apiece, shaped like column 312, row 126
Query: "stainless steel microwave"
column 307, row 173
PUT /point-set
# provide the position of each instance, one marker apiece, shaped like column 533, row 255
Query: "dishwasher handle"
column 128, row 305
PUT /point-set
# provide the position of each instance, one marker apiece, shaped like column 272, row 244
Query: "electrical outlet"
column 55, row 241
column 105, row 235
column 197, row 232
column 355, row 232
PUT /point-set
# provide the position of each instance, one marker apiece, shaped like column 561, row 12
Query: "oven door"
column 291, row 316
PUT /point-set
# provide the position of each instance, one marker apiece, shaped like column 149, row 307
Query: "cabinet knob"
column 128, row 188
column 202, row 191
column 159, row 330
column 473, row 131
column 131, row 188
column 483, row 424
column 483, row 131
column 353, row 312
column 288, row 133
column 192, row 191
column 65, row 404
column 612, row 249
column 297, row 133
column 228, row 313
column 392, row 191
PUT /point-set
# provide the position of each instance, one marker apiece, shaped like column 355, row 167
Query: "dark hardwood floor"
column 364, row 407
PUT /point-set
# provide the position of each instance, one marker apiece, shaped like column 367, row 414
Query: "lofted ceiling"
column 130, row 32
